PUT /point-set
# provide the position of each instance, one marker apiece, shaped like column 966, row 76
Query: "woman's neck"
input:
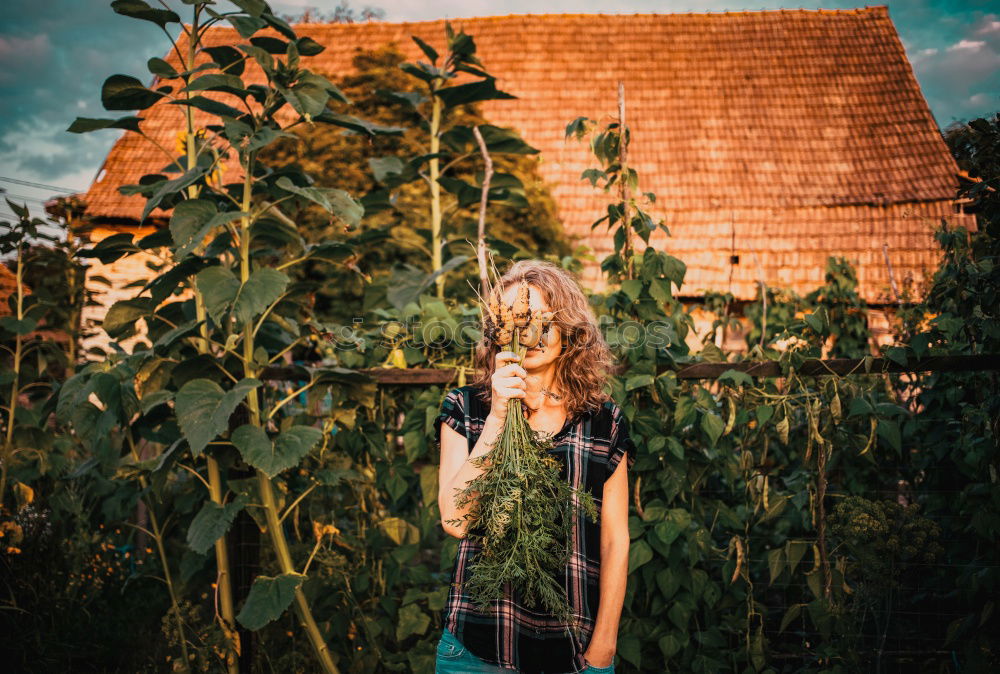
column 541, row 392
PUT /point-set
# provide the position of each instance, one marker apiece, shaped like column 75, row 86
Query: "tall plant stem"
column 164, row 560
column 436, row 190
column 75, row 311
column 484, row 278
column 623, row 181
column 273, row 517
column 223, row 572
column 15, row 385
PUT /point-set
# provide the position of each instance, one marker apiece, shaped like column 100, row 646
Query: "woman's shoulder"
column 611, row 410
column 469, row 395
column 604, row 418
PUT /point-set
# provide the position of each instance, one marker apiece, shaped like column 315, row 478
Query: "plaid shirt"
column 589, row 447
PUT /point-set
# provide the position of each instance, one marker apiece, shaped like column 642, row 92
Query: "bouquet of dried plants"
column 522, row 511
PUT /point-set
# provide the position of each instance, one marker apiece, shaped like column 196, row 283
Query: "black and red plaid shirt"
column 590, row 447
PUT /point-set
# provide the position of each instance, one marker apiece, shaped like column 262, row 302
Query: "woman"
column 561, row 382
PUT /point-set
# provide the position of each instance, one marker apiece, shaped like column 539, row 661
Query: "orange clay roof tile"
column 803, row 132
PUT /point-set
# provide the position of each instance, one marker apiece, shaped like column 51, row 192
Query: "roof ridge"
column 867, row 9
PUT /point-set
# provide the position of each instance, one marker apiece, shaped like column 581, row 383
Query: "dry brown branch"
column 484, row 279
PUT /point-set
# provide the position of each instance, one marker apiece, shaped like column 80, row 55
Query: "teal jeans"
column 454, row 658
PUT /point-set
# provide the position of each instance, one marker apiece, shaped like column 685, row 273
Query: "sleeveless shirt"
column 589, row 446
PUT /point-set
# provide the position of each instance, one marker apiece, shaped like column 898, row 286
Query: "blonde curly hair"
column 583, row 366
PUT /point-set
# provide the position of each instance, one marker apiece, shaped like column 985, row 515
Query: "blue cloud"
column 55, row 55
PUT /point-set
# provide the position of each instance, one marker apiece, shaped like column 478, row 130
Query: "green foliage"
column 845, row 310
column 883, row 540
column 268, row 599
column 391, row 171
column 734, row 479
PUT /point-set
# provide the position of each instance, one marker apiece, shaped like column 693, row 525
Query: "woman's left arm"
column 614, row 568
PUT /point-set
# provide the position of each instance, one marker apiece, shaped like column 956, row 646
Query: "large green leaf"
column 411, row 620
column 193, row 220
column 264, row 286
column 639, row 553
column 165, row 188
column 218, row 286
column 123, row 92
column 230, row 84
column 252, row 7
column 86, row 124
column 162, row 286
column 391, row 171
column 222, row 291
column 426, row 49
column 359, row 125
column 408, row 282
column 246, row 25
column 670, row 644
column 630, row 648
column 138, row 9
column 484, row 90
column 775, row 563
column 638, row 381
column 272, row 457
column 311, row 93
column 308, row 46
column 210, row 105
column 337, row 202
column 713, row 426
column 211, row 523
column 203, row 409
column 229, row 59
column 268, row 599
column 161, row 68
column 121, row 317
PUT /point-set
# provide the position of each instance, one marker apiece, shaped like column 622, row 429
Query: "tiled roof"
column 8, row 287
column 792, row 134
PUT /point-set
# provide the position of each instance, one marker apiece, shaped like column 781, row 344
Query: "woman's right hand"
column 508, row 382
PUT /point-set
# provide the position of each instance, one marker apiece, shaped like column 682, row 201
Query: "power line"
column 14, row 197
column 28, row 183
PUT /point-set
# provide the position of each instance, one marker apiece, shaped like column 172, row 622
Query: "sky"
column 55, row 54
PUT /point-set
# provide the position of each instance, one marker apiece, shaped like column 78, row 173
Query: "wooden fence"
column 813, row 368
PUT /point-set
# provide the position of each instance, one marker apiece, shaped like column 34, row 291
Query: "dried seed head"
column 506, row 316
column 498, row 320
column 531, row 334
column 522, row 311
column 493, row 306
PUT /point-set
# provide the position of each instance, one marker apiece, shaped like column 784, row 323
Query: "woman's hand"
column 508, row 382
column 598, row 656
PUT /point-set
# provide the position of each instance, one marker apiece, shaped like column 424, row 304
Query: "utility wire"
column 28, row 183
column 16, row 197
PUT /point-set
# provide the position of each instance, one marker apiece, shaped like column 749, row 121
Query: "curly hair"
column 583, row 366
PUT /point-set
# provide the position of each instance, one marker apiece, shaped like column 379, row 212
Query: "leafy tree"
column 344, row 12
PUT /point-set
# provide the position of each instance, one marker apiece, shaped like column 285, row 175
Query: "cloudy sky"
column 54, row 55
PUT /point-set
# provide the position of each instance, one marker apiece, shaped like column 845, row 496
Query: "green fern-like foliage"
column 522, row 516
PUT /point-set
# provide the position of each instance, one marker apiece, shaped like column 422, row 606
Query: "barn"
column 773, row 139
